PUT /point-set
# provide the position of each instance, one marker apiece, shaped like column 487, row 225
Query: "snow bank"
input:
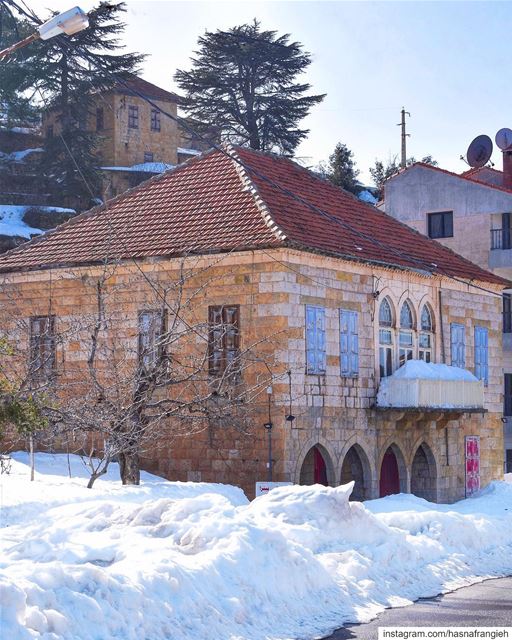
column 187, row 561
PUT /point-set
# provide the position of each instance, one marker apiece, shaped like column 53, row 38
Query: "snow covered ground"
column 11, row 219
column 182, row 561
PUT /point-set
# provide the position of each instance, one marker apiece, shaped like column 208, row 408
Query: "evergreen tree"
column 341, row 169
column 64, row 72
column 243, row 83
column 16, row 106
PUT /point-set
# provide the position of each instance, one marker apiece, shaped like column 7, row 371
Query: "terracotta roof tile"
column 212, row 204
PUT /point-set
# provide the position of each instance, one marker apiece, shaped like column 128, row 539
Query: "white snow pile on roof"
column 143, row 167
column 193, row 560
column 419, row 369
column 11, row 219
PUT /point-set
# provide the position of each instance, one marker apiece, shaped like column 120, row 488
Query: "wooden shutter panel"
column 481, row 354
column 349, row 342
column 458, row 345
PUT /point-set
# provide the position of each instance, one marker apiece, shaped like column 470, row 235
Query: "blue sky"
column 447, row 62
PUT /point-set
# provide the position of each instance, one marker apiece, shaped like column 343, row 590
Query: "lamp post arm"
column 22, row 43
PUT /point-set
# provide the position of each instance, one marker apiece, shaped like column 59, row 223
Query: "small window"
column 133, row 117
column 100, row 124
column 440, row 225
column 405, row 337
column 507, row 313
column 425, row 339
column 385, row 314
column 458, row 345
column 507, row 404
column 349, row 343
column 152, row 328
column 155, row 120
column 508, row 461
column 385, row 339
column 42, row 348
column 315, row 340
column 482, row 354
column 148, row 156
column 223, row 340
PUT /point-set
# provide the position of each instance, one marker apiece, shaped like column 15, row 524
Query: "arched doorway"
column 356, row 467
column 314, row 469
column 424, row 474
column 393, row 475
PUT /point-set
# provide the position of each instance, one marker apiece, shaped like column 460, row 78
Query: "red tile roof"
column 487, row 175
column 148, row 89
column 463, row 176
column 211, row 203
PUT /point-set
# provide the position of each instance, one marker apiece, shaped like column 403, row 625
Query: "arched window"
column 385, row 314
column 426, row 337
column 405, row 339
column 385, row 339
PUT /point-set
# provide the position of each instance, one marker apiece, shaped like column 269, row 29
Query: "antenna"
column 504, row 138
column 403, row 160
column 479, row 151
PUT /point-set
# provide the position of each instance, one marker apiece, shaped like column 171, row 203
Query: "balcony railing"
column 501, row 239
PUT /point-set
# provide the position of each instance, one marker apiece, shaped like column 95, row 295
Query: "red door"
column 320, row 468
column 389, row 479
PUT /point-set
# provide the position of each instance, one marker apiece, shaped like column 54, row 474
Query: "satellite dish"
column 479, row 151
column 504, row 138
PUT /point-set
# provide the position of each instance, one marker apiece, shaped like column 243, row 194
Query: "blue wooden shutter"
column 458, row 345
column 349, row 343
column 482, row 354
column 315, row 340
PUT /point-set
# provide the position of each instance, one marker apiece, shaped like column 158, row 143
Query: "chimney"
column 507, row 168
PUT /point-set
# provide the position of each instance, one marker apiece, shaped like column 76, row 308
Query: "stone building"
column 136, row 141
column 328, row 294
column 470, row 213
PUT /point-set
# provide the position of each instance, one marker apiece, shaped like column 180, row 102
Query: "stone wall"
column 331, row 412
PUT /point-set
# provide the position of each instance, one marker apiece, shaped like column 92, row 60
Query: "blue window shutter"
column 315, row 340
column 482, row 354
column 458, row 345
column 349, row 343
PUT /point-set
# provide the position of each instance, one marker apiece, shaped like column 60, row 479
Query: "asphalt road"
column 486, row 604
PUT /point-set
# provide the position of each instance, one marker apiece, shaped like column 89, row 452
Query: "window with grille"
column 148, row 156
column 42, row 348
column 507, row 398
column 385, row 339
column 155, row 120
column 224, row 340
column 316, row 360
column 458, row 345
column 133, row 117
column 507, row 313
column 482, row 354
column 349, row 342
column 426, row 335
column 152, row 328
column 100, row 123
column 440, row 225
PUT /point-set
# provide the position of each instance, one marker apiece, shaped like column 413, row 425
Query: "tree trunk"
column 129, row 468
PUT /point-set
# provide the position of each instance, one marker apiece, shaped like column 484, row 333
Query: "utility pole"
column 403, row 160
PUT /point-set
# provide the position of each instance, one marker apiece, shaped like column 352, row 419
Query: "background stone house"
column 470, row 213
column 136, row 140
column 328, row 296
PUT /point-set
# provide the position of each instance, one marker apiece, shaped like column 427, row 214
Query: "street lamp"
column 68, row 22
column 268, row 426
